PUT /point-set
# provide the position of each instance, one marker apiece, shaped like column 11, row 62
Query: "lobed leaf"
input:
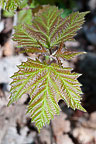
column 46, row 85
column 64, row 53
column 27, row 41
column 39, row 31
column 66, row 29
column 49, row 28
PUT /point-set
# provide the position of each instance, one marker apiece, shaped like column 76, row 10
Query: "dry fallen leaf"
column 84, row 135
column 93, row 117
column 85, row 132
column 8, row 49
column 45, row 136
column 60, row 125
column 64, row 139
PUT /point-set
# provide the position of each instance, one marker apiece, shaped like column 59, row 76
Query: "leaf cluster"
column 45, row 79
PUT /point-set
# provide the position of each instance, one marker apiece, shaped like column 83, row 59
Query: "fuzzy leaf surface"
column 46, row 85
column 25, row 16
column 68, row 27
column 10, row 5
column 27, row 41
column 49, row 28
column 65, row 54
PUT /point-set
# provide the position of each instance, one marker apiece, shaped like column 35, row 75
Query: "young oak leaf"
column 46, row 85
column 49, row 28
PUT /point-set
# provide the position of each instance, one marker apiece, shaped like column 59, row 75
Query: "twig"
column 52, row 139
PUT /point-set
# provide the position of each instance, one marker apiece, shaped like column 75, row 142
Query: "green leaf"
column 39, row 30
column 26, row 40
column 25, row 16
column 64, row 53
column 24, row 4
column 8, row 14
column 69, row 54
column 66, row 13
column 66, row 29
column 10, row 5
column 46, row 85
column 49, row 28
